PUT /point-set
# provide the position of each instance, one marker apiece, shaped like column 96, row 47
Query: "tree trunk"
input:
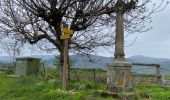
column 69, row 66
column 61, row 65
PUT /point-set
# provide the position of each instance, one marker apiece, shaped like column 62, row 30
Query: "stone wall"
column 140, row 78
column 136, row 78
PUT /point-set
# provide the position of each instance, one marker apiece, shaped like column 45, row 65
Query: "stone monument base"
column 118, row 75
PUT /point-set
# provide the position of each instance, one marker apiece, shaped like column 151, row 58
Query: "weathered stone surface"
column 119, row 63
column 140, row 79
column 118, row 75
column 119, row 71
column 27, row 66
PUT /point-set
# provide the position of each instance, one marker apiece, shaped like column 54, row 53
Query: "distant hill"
column 95, row 61
column 91, row 61
column 48, row 60
column 145, row 59
column 5, row 59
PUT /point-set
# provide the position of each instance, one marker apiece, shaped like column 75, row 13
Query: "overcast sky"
column 153, row 43
column 156, row 42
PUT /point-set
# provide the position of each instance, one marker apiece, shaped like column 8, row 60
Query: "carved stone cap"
column 117, row 63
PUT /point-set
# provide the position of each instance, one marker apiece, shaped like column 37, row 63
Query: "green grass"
column 167, row 77
column 32, row 87
column 39, row 88
column 154, row 92
column 49, row 88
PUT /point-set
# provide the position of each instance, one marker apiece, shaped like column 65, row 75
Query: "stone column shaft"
column 119, row 41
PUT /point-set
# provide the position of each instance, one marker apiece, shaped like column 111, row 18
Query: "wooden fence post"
column 76, row 76
column 94, row 75
column 158, row 74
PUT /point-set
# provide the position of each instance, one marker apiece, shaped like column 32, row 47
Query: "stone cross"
column 119, row 71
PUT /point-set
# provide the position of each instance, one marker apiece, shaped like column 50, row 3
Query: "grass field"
column 39, row 88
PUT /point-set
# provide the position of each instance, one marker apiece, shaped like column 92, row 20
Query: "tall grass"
column 49, row 88
column 152, row 91
column 32, row 88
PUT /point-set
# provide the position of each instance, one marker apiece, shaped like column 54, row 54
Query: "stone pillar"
column 119, row 39
column 119, row 71
column 118, row 75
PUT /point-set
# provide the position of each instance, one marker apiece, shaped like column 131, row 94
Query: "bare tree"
column 11, row 48
column 41, row 20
